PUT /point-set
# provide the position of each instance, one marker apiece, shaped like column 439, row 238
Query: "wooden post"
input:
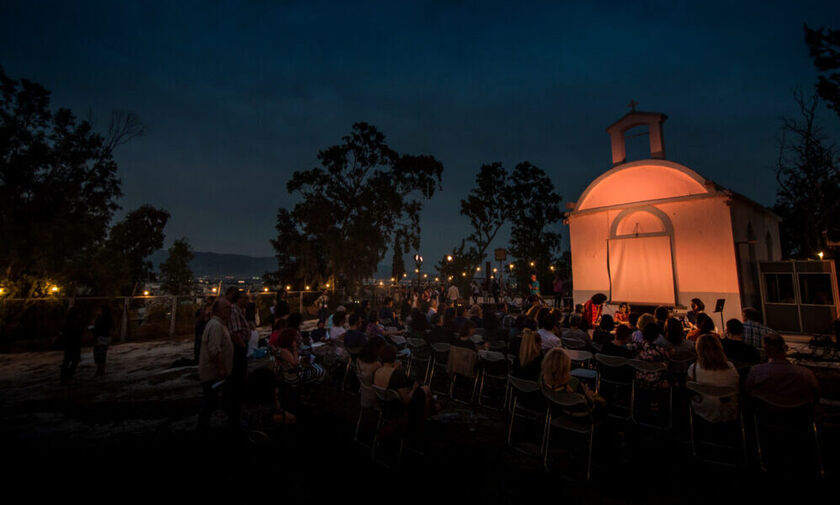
column 124, row 325
column 172, row 320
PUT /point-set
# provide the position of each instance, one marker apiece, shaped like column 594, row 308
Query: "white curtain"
column 641, row 270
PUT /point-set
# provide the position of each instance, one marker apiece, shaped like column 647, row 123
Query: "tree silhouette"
column 58, row 190
column 824, row 46
column 363, row 198
column 808, row 197
column 176, row 276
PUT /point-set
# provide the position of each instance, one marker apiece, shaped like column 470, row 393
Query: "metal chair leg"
column 589, row 458
column 512, row 417
column 546, row 443
column 691, row 432
column 758, row 445
column 819, row 451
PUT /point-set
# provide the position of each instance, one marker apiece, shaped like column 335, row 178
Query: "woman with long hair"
column 528, row 364
column 714, row 369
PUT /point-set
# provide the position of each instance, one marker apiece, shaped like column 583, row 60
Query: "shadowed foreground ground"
column 131, row 436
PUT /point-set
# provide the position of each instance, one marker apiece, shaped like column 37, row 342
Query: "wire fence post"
column 124, row 323
column 172, row 319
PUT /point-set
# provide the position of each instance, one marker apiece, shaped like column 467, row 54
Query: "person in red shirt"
column 592, row 309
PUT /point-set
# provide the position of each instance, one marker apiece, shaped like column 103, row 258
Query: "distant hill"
column 218, row 265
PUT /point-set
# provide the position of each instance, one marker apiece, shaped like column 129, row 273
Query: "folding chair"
column 391, row 412
column 420, row 355
column 527, row 402
column 568, row 412
column 440, row 357
column 650, row 367
column 786, row 419
column 494, row 365
column 616, row 373
column 368, row 401
column 721, row 396
column 462, row 362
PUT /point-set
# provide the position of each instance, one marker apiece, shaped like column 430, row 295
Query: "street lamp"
column 146, row 293
column 288, row 288
column 820, row 254
column 478, row 269
column 532, row 263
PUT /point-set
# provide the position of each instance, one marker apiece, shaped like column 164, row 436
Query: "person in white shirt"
column 433, row 306
column 714, row 369
column 452, row 294
column 338, row 330
column 215, row 362
column 548, row 339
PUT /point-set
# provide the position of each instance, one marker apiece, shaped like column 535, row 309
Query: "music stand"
column 719, row 308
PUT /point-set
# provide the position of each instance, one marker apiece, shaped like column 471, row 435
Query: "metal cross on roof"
column 632, row 105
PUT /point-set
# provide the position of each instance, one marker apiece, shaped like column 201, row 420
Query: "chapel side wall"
column 763, row 224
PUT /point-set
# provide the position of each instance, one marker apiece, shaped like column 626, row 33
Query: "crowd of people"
column 537, row 339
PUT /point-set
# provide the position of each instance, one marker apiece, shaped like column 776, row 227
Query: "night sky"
column 238, row 96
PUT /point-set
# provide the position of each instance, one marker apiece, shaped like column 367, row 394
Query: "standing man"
column 558, row 291
column 239, row 334
column 215, row 362
column 452, row 294
column 534, row 286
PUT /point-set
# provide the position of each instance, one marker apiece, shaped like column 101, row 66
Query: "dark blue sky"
column 238, row 96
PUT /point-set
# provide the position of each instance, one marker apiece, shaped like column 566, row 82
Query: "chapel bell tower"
column 653, row 120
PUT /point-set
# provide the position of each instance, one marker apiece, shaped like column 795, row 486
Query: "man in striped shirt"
column 754, row 330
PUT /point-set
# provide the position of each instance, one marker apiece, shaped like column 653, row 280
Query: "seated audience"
column 649, row 351
column 714, row 369
column 528, row 364
column 632, row 320
column 603, row 333
column 417, row 323
column 493, row 327
column 661, row 314
column 262, row 406
column 674, row 342
column 703, row 325
column 548, row 339
column 733, row 345
column 355, row 338
column 463, row 339
column 780, row 380
column 622, row 314
column 338, row 330
column 440, row 333
column 754, row 330
column 575, row 333
column 476, row 316
column 278, row 326
column 296, row 369
column 556, row 375
column 416, row 399
column 578, row 310
column 644, row 320
column 386, row 313
column 368, row 360
column 622, row 345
